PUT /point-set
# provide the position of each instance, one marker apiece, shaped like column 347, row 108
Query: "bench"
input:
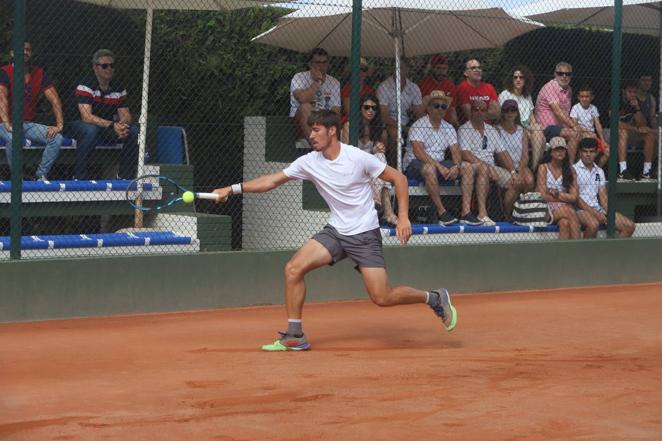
column 634, row 197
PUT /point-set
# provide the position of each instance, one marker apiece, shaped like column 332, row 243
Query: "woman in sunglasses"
column 518, row 86
column 516, row 141
column 372, row 139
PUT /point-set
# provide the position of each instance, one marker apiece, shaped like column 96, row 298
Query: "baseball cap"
column 438, row 95
column 509, row 104
column 557, row 142
column 438, row 59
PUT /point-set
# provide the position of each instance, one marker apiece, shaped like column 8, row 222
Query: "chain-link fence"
column 213, row 93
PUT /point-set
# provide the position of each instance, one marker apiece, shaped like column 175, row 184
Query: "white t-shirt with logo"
column 344, row 183
column 436, row 141
column 483, row 147
column 327, row 97
column 589, row 183
column 410, row 95
column 585, row 117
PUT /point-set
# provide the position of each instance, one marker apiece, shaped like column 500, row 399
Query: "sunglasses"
column 484, row 146
column 475, row 109
column 369, row 107
column 564, row 74
column 105, row 65
column 439, row 106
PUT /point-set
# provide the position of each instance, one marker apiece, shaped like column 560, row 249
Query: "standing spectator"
column 553, row 109
column 365, row 72
column 588, row 117
column 474, row 89
column 632, row 121
column 516, row 142
column 592, row 200
column 36, row 81
column 372, row 136
column 312, row 90
column 429, row 139
column 410, row 101
column 519, row 87
column 480, row 143
column 557, row 183
column 104, row 118
column 647, row 102
column 437, row 79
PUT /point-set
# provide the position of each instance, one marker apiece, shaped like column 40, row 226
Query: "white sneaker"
column 487, row 222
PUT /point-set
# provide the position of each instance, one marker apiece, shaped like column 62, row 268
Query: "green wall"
column 50, row 289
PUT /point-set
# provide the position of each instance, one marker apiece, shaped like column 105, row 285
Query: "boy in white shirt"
column 588, row 118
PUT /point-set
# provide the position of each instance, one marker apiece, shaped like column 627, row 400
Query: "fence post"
column 617, row 38
column 355, row 95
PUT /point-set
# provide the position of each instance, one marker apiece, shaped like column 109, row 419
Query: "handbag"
column 531, row 210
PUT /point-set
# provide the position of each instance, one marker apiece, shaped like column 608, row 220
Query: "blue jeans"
column 88, row 136
column 36, row 133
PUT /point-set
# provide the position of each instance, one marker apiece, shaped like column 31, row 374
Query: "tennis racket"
column 155, row 192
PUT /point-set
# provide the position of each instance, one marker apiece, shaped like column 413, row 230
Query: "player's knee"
column 293, row 271
column 381, row 299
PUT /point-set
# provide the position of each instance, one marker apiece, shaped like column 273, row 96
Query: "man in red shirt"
column 346, row 91
column 474, row 89
column 437, row 79
column 35, row 82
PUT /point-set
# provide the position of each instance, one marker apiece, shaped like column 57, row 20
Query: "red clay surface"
column 581, row 364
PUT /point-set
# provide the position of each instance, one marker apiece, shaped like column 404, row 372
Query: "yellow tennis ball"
column 188, row 197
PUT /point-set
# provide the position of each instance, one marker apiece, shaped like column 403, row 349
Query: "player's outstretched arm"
column 258, row 185
column 399, row 181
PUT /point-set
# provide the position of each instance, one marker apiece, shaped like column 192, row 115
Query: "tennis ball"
column 188, row 197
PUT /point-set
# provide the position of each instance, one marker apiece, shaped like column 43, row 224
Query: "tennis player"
column 342, row 174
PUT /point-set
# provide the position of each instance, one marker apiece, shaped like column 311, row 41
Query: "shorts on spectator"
column 602, row 147
column 503, row 175
column 552, row 131
column 365, row 249
column 414, row 171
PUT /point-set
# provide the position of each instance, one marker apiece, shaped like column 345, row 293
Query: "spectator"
column 557, row 183
column 429, row 139
column 312, row 90
column 365, row 72
column 516, row 142
column 410, row 101
column 474, row 89
column 519, row 87
column 647, row 102
column 437, row 79
column 36, row 81
column 632, row 121
column 480, row 143
column 588, row 117
column 553, row 109
column 592, row 200
column 104, row 118
column 372, row 138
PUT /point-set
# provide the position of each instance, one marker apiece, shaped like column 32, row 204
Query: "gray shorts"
column 365, row 249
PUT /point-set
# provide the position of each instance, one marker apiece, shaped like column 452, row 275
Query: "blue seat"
column 171, row 145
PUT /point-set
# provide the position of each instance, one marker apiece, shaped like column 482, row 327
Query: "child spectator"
column 588, row 118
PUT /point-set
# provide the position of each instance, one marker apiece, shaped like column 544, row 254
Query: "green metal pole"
column 355, row 95
column 617, row 38
column 17, row 131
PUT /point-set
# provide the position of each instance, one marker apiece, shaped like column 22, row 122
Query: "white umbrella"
column 393, row 27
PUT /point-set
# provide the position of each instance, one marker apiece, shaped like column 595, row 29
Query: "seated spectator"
column 36, row 81
column 474, row 89
column 632, row 122
column 592, row 200
column 553, row 109
column 516, row 142
column 519, row 87
column 437, row 79
column 557, row 183
column 104, row 118
column 480, row 144
column 410, row 102
column 588, row 117
column 429, row 139
column 647, row 102
column 312, row 90
column 372, row 138
column 365, row 72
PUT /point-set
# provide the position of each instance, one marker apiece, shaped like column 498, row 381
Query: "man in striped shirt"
column 104, row 118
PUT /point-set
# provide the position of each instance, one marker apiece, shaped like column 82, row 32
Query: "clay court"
column 570, row 364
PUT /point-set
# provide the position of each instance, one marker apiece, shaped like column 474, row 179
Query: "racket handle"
column 209, row 196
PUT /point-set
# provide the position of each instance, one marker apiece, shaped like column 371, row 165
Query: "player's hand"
column 378, row 147
column 51, row 131
column 403, row 229
column 223, row 193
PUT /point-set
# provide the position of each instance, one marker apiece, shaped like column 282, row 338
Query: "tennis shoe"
column 287, row 343
column 445, row 309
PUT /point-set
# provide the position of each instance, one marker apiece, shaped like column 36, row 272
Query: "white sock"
column 622, row 165
column 647, row 167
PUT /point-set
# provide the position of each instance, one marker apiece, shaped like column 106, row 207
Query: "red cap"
column 438, row 59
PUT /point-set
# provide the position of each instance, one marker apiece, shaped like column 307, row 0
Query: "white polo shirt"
column 344, row 183
column 513, row 143
column 327, row 97
column 589, row 182
column 410, row 95
column 435, row 140
column 483, row 147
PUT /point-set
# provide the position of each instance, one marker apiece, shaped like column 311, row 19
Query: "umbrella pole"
column 142, row 137
column 398, row 138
